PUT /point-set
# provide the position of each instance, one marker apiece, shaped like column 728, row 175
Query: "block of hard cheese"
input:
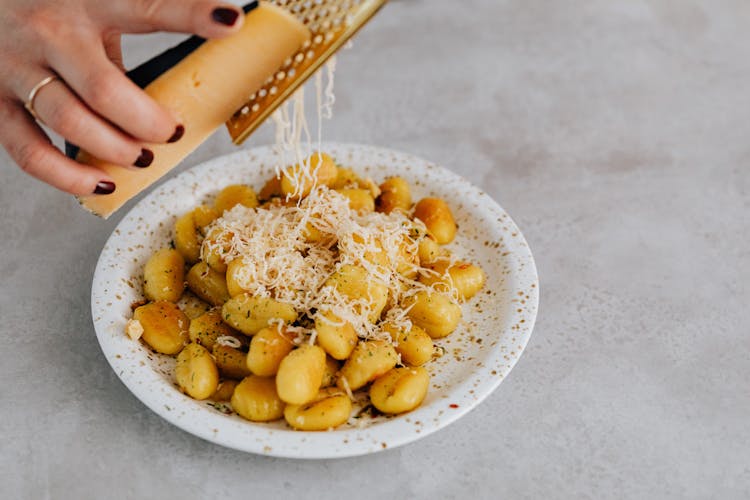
column 203, row 91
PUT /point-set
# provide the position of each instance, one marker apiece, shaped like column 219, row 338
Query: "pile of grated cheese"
column 279, row 262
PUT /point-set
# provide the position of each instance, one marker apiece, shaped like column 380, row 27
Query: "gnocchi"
column 345, row 288
column 236, row 194
column 267, row 348
column 196, row 372
column 214, row 247
column 255, row 399
column 186, row 238
column 231, row 362
column 164, row 276
column 414, row 345
column 355, row 283
column 438, row 218
column 208, row 327
column 203, row 215
column 400, row 390
column 224, row 390
column 395, row 194
column 207, row 284
column 434, row 312
column 369, row 360
column 466, row 278
column 300, row 374
column 336, row 336
column 360, row 200
column 165, row 326
column 329, row 408
column 250, row 314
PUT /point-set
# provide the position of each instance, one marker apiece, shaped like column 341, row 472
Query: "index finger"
column 206, row 18
column 109, row 93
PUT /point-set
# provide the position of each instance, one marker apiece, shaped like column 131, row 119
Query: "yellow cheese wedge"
column 203, row 91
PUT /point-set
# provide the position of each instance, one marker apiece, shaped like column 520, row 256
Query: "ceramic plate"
column 478, row 356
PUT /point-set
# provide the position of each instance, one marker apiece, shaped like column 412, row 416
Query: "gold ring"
column 29, row 104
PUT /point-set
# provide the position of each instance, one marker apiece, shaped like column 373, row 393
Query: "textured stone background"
column 617, row 134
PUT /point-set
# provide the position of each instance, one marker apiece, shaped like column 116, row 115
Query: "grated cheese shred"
column 229, row 341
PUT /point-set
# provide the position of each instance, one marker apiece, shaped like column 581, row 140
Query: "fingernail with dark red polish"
column 225, row 16
column 178, row 133
column 105, row 187
column 146, row 158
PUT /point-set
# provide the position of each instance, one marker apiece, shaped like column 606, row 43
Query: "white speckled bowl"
column 497, row 324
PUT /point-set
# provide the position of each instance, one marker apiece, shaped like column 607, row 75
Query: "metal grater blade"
column 332, row 23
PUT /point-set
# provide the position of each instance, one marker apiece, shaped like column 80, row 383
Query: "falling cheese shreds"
column 293, row 143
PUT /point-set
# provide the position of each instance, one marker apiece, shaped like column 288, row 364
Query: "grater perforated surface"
column 332, row 23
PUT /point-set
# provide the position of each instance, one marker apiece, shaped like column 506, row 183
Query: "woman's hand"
column 92, row 103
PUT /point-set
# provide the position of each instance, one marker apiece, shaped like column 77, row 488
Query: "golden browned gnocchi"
column 414, row 345
column 250, row 314
column 300, row 374
column 224, row 390
column 336, row 336
column 215, row 246
column 207, row 284
column 360, row 200
column 196, row 372
column 313, row 234
column 192, row 306
column 271, row 189
column 369, row 360
column 208, row 327
column 400, row 390
column 231, row 362
column 237, row 194
column 355, row 283
column 438, row 218
column 255, row 399
column 267, row 348
column 434, row 312
column 395, row 194
column 429, row 250
column 165, row 326
column 329, row 408
column 186, row 238
column 466, row 278
column 203, row 215
column 164, row 276
column 323, row 286
column 345, row 178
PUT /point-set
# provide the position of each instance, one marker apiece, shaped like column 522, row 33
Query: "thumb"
column 205, row 18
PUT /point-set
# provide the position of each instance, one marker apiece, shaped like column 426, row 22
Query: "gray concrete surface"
column 617, row 134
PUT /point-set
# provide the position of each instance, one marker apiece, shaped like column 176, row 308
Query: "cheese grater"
column 332, row 23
